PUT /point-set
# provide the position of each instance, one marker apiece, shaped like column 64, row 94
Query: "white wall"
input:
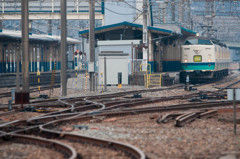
column 114, row 64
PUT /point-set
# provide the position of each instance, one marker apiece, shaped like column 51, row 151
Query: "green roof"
column 119, row 25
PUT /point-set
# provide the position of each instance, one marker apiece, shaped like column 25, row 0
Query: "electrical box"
column 116, row 66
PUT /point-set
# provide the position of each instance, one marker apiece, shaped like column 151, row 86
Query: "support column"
column 58, row 57
column 151, row 59
column 1, row 58
column 7, row 57
column 38, row 57
column 1, row 25
column 30, row 58
column 11, row 68
column 73, row 57
column 25, row 52
column 4, row 57
column 50, row 57
column 34, row 54
column 160, row 56
column 18, row 69
column 49, row 27
column 30, row 27
column 14, row 57
column 63, row 47
column 41, row 59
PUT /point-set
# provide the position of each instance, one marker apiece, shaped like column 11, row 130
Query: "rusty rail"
column 128, row 149
column 167, row 117
column 186, row 118
column 67, row 150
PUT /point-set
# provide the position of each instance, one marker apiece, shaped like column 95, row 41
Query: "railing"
column 153, row 80
column 51, row 6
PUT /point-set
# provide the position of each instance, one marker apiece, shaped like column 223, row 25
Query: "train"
column 203, row 59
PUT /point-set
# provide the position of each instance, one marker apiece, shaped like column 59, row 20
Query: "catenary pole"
column 63, row 48
column 25, row 51
column 145, row 32
column 92, row 44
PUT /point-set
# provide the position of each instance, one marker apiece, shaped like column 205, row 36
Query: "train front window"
column 198, row 42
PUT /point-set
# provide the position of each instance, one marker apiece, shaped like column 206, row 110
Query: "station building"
column 44, row 52
column 44, row 56
column 164, row 45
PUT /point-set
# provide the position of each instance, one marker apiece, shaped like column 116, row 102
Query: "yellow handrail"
column 150, row 79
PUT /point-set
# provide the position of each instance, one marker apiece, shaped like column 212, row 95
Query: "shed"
column 116, row 68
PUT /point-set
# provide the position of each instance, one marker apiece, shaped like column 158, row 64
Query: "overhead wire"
column 137, row 17
column 132, row 6
column 116, row 12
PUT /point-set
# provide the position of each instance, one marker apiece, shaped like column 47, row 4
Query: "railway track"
column 66, row 150
column 8, row 93
column 95, row 107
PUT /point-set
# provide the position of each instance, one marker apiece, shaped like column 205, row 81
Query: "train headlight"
column 209, row 60
column 185, row 60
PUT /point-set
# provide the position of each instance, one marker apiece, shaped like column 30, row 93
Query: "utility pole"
column 63, row 47
column 145, row 32
column 91, row 68
column 25, row 51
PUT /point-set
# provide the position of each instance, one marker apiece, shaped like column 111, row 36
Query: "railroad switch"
column 203, row 96
column 80, row 127
column 44, row 96
column 29, row 109
column 137, row 95
column 195, row 99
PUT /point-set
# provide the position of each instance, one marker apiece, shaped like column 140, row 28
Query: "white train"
column 202, row 58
